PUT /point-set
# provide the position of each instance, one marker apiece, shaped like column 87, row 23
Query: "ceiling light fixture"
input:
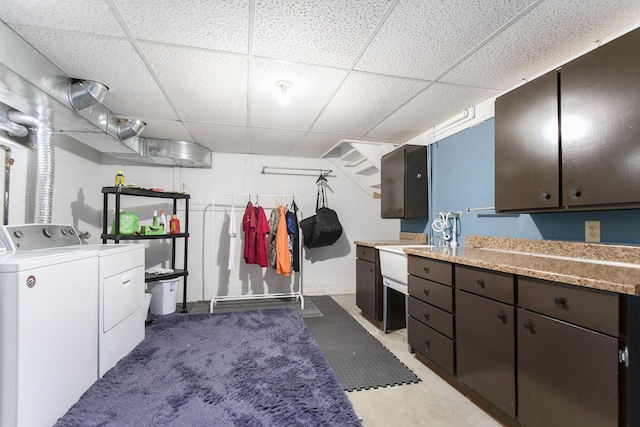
column 283, row 99
column 85, row 94
column 128, row 128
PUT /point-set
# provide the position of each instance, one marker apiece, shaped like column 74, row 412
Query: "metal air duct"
column 85, row 94
column 43, row 136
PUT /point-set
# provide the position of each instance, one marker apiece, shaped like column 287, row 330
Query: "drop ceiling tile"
column 422, row 38
column 85, row 16
column 546, row 37
column 363, row 100
column 275, row 142
column 220, row 138
column 113, row 62
column 311, row 88
column 315, row 144
column 435, row 105
column 327, row 32
column 203, row 85
column 165, row 129
column 217, row 25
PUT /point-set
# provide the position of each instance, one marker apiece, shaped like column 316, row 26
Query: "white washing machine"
column 115, row 281
column 48, row 328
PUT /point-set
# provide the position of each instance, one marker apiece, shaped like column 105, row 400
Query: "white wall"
column 329, row 270
column 77, row 199
column 81, row 172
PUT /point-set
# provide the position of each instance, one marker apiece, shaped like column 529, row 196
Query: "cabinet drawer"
column 432, row 344
column 431, row 316
column 431, row 292
column 366, row 253
column 490, row 284
column 589, row 308
column 438, row 271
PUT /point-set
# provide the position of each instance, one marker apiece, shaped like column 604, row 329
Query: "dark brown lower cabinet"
column 567, row 375
column 431, row 343
column 366, row 288
column 485, row 349
column 369, row 291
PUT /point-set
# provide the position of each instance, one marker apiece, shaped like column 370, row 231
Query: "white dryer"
column 48, row 331
column 121, row 315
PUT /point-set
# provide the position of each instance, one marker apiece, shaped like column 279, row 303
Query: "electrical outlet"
column 592, row 231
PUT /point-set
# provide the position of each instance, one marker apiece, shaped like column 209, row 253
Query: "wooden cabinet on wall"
column 404, row 183
column 527, row 156
column 568, row 139
column 369, row 290
column 600, row 125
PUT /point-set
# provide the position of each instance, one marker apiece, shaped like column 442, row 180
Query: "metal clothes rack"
column 246, row 197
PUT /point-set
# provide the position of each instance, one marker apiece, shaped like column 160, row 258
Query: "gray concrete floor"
column 432, row 402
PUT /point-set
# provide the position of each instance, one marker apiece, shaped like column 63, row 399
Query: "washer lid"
column 20, row 261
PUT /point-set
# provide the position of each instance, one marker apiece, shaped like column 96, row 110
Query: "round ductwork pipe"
column 128, row 128
column 85, row 94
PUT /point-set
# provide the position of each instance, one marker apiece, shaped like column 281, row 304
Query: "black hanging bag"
column 323, row 228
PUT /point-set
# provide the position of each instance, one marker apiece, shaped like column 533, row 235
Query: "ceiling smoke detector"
column 283, row 99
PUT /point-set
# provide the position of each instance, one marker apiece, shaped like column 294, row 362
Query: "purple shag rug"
column 251, row 368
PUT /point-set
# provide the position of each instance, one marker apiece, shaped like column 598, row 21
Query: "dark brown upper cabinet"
column 404, row 183
column 600, row 125
column 570, row 139
column 527, row 155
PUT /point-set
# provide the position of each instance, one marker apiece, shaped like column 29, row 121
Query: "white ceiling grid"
column 384, row 70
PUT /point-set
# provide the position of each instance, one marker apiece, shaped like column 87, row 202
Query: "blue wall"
column 463, row 177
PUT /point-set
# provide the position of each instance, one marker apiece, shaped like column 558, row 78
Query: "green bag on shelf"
column 129, row 224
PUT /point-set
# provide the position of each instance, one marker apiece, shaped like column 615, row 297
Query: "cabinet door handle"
column 528, row 326
column 560, row 302
column 426, row 269
column 426, row 292
column 480, row 282
column 502, row 317
column 426, row 316
column 546, row 196
column 427, row 344
column 576, row 193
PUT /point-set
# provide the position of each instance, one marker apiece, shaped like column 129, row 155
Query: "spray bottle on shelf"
column 119, row 179
column 154, row 223
column 174, row 225
column 163, row 222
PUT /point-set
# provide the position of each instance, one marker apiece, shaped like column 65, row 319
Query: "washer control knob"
column 18, row 234
column 47, row 232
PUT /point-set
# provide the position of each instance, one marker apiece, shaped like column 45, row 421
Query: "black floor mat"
column 359, row 360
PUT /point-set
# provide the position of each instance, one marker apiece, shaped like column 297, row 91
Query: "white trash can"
column 164, row 295
column 147, row 304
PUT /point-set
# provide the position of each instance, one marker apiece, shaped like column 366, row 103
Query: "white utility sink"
column 394, row 270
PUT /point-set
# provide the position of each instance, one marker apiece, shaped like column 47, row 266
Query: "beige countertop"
column 403, row 239
column 614, row 268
